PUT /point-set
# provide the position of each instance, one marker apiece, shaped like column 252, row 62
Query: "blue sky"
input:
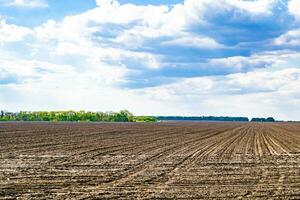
column 174, row 57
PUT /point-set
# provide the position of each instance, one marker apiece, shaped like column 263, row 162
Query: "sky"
column 172, row 57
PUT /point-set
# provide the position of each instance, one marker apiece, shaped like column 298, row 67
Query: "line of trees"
column 203, row 118
column 122, row 116
column 213, row 118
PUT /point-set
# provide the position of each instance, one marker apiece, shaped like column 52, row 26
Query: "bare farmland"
column 149, row 161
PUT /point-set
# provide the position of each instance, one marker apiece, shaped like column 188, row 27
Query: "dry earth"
column 149, row 161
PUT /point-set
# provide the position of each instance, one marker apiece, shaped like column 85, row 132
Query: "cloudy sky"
column 172, row 57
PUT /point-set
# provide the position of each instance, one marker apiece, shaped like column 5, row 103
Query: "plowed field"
column 149, row 161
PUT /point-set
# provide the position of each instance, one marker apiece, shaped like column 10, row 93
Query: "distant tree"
column 144, row 119
column 270, row 119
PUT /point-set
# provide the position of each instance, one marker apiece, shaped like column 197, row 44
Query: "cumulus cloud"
column 291, row 38
column 129, row 34
column 194, row 41
column 240, row 63
column 74, row 35
column 294, row 8
column 260, row 7
column 12, row 33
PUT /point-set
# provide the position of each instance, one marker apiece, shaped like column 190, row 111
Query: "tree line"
column 121, row 116
column 203, row 118
column 214, row 118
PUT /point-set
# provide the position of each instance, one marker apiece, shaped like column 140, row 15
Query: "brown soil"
column 149, row 161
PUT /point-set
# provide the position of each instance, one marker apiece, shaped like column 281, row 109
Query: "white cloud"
column 194, row 41
column 112, row 12
column 294, row 8
column 291, row 38
column 47, row 31
column 12, row 33
column 242, row 64
column 269, row 60
column 27, row 3
column 256, row 7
